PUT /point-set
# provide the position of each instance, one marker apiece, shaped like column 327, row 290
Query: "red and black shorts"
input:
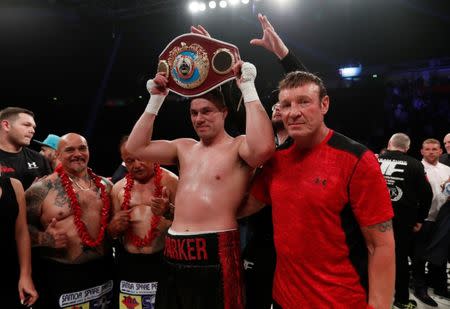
column 204, row 271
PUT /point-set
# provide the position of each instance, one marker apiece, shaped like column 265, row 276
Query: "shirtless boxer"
column 141, row 218
column 202, row 247
column 68, row 213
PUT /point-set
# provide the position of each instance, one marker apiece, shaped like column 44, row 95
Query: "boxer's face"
column 208, row 120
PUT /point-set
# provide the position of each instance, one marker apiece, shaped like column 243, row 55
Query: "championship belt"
column 195, row 64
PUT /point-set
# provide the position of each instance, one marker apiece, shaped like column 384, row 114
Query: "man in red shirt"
column 331, row 210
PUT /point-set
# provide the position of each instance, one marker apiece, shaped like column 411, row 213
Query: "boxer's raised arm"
column 139, row 143
column 258, row 144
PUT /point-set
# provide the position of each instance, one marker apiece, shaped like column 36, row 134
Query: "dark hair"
column 215, row 96
column 300, row 78
column 12, row 113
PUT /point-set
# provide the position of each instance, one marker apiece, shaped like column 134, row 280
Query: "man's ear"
column 5, row 124
column 225, row 113
column 325, row 104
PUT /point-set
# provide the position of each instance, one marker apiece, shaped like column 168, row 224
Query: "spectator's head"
column 141, row 171
column 73, row 153
column 400, row 142
column 16, row 127
column 431, row 150
column 277, row 121
column 447, row 143
column 48, row 148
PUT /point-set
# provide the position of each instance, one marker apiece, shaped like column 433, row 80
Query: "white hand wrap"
column 156, row 100
column 248, row 73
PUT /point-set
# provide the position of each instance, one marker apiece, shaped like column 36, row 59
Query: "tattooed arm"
column 380, row 244
column 35, row 196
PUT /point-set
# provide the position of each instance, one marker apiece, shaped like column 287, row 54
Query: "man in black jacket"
column 411, row 199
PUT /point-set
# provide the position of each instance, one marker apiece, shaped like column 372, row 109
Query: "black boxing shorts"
column 204, row 271
column 137, row 279
column 88, row 285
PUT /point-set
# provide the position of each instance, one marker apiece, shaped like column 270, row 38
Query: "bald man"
column 445, row 158
column 68, row 213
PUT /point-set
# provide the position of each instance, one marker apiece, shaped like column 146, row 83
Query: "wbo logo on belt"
column 196, row 64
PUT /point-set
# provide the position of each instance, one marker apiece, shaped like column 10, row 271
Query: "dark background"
column 81, row 66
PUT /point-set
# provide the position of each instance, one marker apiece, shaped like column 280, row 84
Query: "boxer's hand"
column 119, row 223
column 58, row 239
column 158, row 90
column 245, row 78
column 200, row 30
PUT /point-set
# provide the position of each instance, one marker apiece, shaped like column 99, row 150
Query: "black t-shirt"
column 445, row 159
column 409, row 189
column 25, row 165
column 8, row 215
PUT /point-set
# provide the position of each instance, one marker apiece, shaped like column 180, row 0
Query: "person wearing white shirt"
column 438, row 174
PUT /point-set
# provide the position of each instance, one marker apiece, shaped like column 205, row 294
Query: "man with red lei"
column 68, row 213
column 142, row 214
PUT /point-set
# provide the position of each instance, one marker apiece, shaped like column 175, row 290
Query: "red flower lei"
column 153, row 232
column 86, row 239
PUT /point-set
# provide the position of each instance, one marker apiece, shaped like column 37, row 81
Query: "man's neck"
column 313, row 140
column 83, row 175
column 144, row 181
column 281, row 135
column 219, row 138
column 392, row 148
column 9, row 147
column 434, row 163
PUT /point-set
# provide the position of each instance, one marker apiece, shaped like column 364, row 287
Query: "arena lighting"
column 197, row 6
column 350, row 71
column 194, row 6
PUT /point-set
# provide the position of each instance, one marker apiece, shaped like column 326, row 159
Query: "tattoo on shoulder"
column 61, row 198
column 381, row 227
column 35, row 195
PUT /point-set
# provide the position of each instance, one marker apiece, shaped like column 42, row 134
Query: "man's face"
column 142, row 171
column 277, row 121
column 48, row 152
column 302, row 111
column 431, row 152
column 73, row 153
column 207, row 119
column 447, row 143
column 21, row 130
